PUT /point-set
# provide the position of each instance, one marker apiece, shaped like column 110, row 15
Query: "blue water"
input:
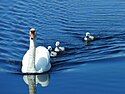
column 97, row 68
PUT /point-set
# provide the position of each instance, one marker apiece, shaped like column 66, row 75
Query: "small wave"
column 10, row 66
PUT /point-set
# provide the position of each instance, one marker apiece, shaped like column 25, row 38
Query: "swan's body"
column 41, row 61
column 52, row 53
column 89, row 37
column 58, row 47
column 36, row 60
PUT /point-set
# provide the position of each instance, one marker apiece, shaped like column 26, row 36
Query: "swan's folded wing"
column 42, row 61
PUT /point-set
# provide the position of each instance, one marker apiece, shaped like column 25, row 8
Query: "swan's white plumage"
column 36, row 60
column 42, row 62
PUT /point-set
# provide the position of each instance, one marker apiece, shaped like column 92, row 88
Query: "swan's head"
column 49, row 48
column 87, row 34
column 57, row 43
column 32, row 33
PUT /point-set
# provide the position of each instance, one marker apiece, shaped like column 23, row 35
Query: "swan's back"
column 42, row 62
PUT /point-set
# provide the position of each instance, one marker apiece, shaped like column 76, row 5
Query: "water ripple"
column 65, row 22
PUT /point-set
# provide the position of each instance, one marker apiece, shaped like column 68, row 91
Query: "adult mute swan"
column 89, row 37
column 36, row 60
column 58, row 47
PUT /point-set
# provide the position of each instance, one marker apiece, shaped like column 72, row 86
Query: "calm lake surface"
column 97, row 68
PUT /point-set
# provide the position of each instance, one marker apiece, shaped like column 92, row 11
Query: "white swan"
column 36, row 60
column 89, row 37
column 58, row 47
column 52, row 53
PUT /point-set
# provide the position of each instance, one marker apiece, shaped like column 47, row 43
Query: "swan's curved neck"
column 32, row 43
column 32, row 49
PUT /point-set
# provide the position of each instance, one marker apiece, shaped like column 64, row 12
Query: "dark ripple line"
column 11, row 66
column 4, row 25
column 67, row 63
column 21, row 14
column 4, row 35
column 20, row 3
column 17, row 10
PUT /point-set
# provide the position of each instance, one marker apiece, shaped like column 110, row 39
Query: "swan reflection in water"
column 33, row 80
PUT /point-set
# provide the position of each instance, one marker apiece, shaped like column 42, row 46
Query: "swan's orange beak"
column 32, row 33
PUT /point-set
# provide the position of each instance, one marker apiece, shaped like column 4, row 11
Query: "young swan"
column 58, row 47
column 89, row 37
column 52, row 53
